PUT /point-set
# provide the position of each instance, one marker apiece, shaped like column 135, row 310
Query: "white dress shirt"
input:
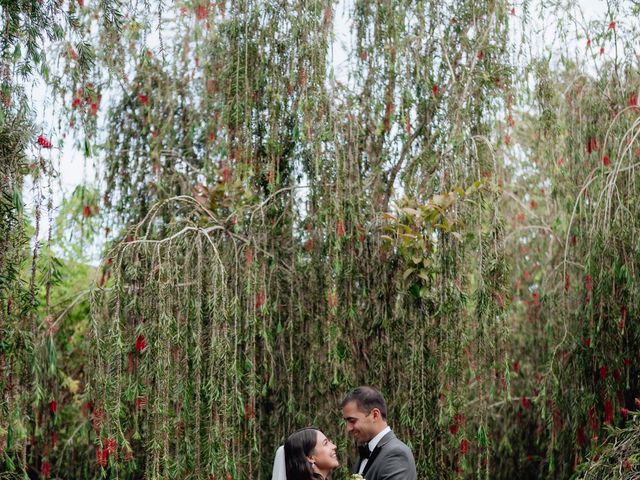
column 373, row 443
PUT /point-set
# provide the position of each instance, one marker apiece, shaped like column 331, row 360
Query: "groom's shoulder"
column 397, row 444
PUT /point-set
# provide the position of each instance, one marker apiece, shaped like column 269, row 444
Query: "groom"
column 382, row 455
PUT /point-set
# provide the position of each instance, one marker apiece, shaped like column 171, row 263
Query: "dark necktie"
column 364, row 451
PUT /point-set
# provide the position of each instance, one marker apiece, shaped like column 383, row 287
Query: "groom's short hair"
column 366, row 398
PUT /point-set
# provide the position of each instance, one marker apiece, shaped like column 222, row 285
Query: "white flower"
column 357, row 476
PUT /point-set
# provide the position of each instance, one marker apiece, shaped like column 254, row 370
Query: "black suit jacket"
column 390, row 460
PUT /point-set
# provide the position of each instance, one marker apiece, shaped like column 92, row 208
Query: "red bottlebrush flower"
column 536, row 298
column 340, row 229
column 453, row 428
column 623, row 317
column 574, row 240
column 435, row 89
column 141, row 343
column 389, row 108
column 617, row 375
column 612, row 25
column 140, row 403
column 587, row 342
column 581, row 438
column 201, row 12
column 588, row 283
column 43, row 142
column 93, row 109
column 81, row 3
column 626, row 464
column 533, row 204
column 86, row 408
column 302, row 77
column 608, row 412
column 520, row 217
column 500, row 299
column 102, row 456
column 567, row 282
column 308, row 245
column 601, row 50
column 624, row 412
column 516, row 366
column 143, row 99
column 128, row 455
column 507, row 139
column 627, row 362
column 332, row 300
column 560, row 161
column 249, row 412
column 111, row 445
column 459, row 419
column 464, row 446
column 226, row 173
column 53, row 407
column 480, row 55
column 86, row 211
column 603, row 373
column 588, row 42
column 248, row 257
column 76, row 102
column 46, row 469
column 513, row 11
column 633, row 101
column 98, row 418
column 260, row 298
column 524, row 402
column 605, row 160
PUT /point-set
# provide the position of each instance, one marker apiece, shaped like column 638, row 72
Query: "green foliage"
column 450, row 224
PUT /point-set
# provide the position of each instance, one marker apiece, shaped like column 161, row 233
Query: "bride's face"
column 324, row 455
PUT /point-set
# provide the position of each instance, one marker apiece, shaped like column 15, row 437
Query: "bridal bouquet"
column 356, row 476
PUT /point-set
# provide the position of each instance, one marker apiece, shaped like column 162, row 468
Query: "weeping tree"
column 289, row 235
column 28, row 370
column 427, row 222
column 574, row 371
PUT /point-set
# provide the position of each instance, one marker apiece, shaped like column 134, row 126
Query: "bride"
column 306, row 455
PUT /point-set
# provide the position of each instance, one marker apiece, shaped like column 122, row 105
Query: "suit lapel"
column 383, row 441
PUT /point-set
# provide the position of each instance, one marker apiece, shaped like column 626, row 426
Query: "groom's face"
column 360, row 425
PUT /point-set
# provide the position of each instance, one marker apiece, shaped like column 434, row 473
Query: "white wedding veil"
column 279, row 469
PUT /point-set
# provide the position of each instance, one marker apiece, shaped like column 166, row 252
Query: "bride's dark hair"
column 297, row 448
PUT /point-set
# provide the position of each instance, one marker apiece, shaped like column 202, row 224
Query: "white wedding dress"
column 279, row 469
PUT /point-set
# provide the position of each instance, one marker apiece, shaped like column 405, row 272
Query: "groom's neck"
column 379, row 428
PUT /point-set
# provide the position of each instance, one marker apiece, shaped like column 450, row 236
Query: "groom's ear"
column 375, row 412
